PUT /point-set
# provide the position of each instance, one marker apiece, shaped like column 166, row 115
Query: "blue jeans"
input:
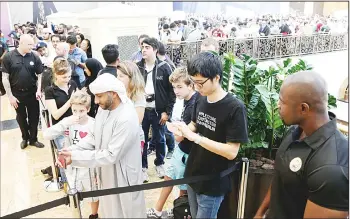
column 169, row 140
column 152, row 117
column 59, row 141
column 203, row 206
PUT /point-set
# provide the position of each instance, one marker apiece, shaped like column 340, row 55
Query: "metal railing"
column 264, row 48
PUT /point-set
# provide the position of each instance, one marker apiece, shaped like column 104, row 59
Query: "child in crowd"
column 75, row 128
column 183, row 89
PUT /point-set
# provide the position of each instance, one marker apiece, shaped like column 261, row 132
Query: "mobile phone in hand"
column 172, row 128
column 62, row 160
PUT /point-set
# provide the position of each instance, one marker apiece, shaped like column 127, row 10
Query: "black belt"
column 24, row 89
column 150, row 108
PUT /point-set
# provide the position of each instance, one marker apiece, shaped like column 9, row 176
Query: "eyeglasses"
column 199, row 84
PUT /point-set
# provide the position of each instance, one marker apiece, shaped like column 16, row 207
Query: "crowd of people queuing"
column 101, row 119
column 196, row 27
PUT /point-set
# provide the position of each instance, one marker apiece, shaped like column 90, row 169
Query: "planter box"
column 259, row 181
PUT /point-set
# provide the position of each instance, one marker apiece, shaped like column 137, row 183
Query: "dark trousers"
column 169, row 140
column 152, row 117
column 28, row 108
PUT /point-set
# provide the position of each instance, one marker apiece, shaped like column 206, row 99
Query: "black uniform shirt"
column 315, row 168
column 22, row 71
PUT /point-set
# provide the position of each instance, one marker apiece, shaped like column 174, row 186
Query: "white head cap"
column 107, row 82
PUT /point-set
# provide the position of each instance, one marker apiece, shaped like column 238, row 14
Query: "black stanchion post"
column 74, row 203
column 54, row 184
column 243, row 188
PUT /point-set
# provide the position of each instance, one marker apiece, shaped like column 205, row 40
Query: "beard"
column 109, row 102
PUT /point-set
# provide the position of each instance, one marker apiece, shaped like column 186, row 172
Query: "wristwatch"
column 198, row 140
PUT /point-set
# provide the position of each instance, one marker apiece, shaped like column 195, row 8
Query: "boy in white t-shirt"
column 75, row 128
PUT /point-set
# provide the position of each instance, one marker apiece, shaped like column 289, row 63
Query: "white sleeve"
column 55, row 130
column 115, row 150
column 140, row 101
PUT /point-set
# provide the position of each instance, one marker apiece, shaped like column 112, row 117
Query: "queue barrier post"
column 74, row 203
column 53, row 185
column 243, row 188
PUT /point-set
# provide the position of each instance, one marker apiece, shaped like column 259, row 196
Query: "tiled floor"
column 22, row 181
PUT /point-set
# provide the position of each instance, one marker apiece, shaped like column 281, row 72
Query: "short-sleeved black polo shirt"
column 23, row 71
column 315, row 168
column 60, row 97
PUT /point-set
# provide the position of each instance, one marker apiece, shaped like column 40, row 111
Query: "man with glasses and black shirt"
column 22, row 81
column 160, row 99
column 218, row 128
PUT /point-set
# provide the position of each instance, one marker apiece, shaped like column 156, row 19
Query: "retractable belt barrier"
column 81, row 195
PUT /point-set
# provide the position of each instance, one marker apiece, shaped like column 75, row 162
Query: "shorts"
column 83, row 179
column 176, row 166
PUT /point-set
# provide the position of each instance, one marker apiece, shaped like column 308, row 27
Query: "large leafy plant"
column 258, row 90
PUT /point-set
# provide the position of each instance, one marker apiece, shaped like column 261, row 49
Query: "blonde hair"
column 60, row 66
column 81, row 98
column 136, row 87
column 180, row 75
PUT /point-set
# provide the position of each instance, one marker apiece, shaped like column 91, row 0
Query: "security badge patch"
column 295, row 164
column 31, row 63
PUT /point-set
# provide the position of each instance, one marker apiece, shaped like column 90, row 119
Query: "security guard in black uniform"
column 312, row 163
column 21, row 70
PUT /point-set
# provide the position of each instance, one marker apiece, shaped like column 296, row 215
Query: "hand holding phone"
column 173, row 128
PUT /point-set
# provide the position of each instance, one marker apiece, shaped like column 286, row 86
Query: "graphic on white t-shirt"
column 78, row 132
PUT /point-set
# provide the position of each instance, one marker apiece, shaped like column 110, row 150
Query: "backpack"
column 181, row 208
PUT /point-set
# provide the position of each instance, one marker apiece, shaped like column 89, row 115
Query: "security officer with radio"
column 21, row 75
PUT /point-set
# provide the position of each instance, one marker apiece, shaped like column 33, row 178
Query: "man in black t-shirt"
column 218, row 128
column 110, row 54
column 311, row 178
column 21, row 70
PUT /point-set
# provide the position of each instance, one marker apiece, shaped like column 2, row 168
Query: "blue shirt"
column 79, row 56
column 137, row 56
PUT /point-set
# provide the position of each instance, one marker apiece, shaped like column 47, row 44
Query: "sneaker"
column 150, row 152
column 145, row 175
column 152, row 213
column 170, row 213
column 160, row 171
column 169, row 154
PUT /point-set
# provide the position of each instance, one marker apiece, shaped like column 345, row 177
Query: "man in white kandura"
column 117, row 147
